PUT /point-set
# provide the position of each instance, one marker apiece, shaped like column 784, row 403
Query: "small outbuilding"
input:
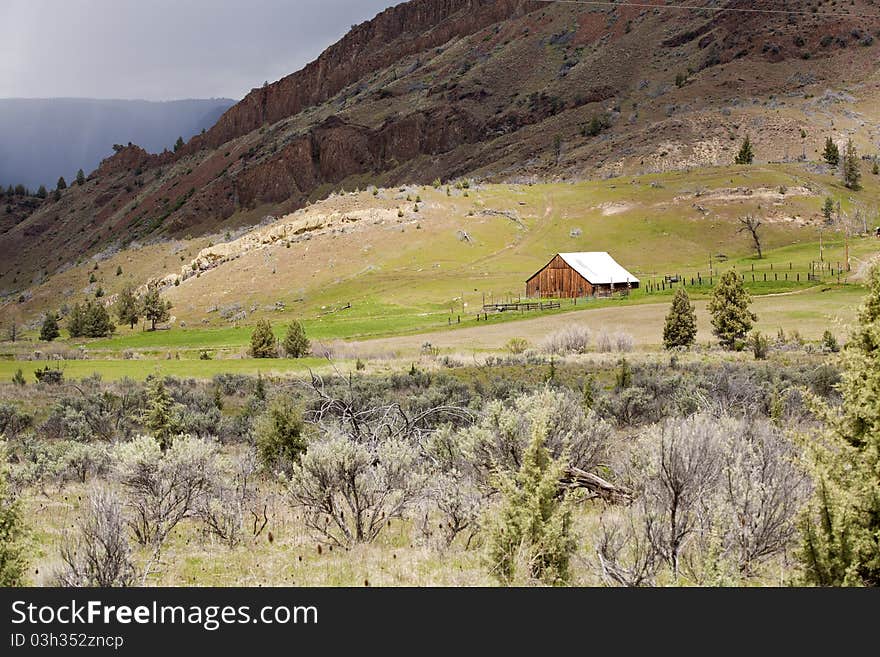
column 573, row 275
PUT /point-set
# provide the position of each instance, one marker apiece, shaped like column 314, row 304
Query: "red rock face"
column 394, row 34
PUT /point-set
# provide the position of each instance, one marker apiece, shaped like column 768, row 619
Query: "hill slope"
column 506, row 90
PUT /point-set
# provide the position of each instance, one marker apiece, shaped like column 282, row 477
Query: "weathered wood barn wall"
column 558, row 280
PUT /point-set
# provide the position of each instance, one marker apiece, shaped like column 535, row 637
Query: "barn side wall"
column 559, row 281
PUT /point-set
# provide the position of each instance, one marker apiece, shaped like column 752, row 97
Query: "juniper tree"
column 263, row 341
column 746, row 154
column 62, row 184
column 828, row 209
column 128, row 308
column 97, row 321
column 296, row 344
column 162, row 414
column 49, row 331
column 852, row 173
column 532, row 530
column 12, row 559
column 841, row 525
column 731, row 318
column 80, row 177
column 154, row 308
column 680, row 329
column 831, row 154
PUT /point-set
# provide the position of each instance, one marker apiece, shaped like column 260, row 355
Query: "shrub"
column 572, row 339
column 829, row 343
column 18, row 379
column 517, row 346
column 100, row 555
column 350, row 490
column 49, row 330
column 760, row 345
column 49, row 376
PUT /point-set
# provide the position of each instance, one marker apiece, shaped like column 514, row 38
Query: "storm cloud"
column 164, row 49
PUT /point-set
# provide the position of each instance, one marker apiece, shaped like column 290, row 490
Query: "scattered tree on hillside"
column 532, row 529
column 876, row 168
column 746, row 154
column 80, row 177
column 62, row 184
column 41, row 192
column 90, row 321
column 751, row 225
column 296, row 344
column 828, row 209
column 557, row 148
column 128, row 307
column 681, row 322
column 841, row 526
column 12, row 549
column 263, row 341
column 831, row 154
column 178, row 144
column 49, row 331
column 154, row 308
column 732, row 319
column 852, row 173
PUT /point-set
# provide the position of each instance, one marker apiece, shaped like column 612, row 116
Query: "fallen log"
column 576, row 478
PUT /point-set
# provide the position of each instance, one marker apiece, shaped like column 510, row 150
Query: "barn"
column 572, row 275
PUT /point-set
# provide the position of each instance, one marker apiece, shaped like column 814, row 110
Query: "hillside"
column 506, row 91
column 44, row 138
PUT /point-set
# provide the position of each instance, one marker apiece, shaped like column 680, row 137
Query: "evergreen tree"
column 12, row 548
column 280, row 435
column 162, row 415
column 263, row 341
column 80, row 177
column 155, row 309
column 62, row 184
column 852, row 173
column 746, row 154
column 97, row 321
column 831, row 154
column 56, row 195
column 296, row 344
column 76, row 324
column 532, row 528
column 731, row 318
column 681, row 322
column 178, row 144
column 828, row 209
column 876, row 168
column 41, row 192
column 128, row 308
column 841, row 526
column 49, row 331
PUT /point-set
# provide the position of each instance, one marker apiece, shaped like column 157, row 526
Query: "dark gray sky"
column 164, row 49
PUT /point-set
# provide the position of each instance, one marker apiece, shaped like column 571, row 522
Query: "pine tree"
column 128, row 308
column 49, row 331
column 852, row 173
column 154, row 308
column 12, row 548
column 80, row 177
column 746, row 154
column 731, row 318
column 162, row 415
column 296, row 344
column 841, row 526
column 62, row 184
column 532, row 529
column 178, row 144
column 41, row 192
column 831, row 154
column 263, row 341
column 681, row 322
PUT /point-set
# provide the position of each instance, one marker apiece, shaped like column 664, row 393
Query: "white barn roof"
column 599, row 268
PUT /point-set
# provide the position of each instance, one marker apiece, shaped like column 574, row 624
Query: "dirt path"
column 643, row 322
